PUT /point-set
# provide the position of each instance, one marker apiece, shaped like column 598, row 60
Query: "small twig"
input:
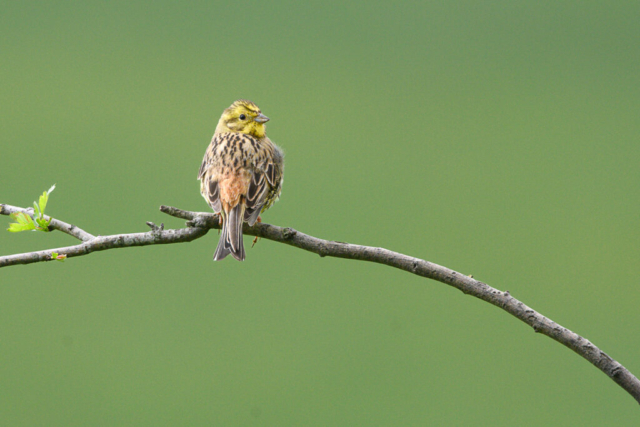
column 154, row 227
column 200, row 222
column 55, row 224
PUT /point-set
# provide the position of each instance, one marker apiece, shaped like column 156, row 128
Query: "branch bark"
column 199, row 223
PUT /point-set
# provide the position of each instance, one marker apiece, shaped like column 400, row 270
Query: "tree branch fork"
column 199, row 223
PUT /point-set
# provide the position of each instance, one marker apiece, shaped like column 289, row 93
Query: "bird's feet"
column 220, row 221
column 255, row 240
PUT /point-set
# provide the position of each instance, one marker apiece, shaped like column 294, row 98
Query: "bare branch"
column 200, row 222
column 102, row 243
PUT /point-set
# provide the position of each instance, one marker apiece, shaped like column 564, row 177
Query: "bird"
column 241, row 174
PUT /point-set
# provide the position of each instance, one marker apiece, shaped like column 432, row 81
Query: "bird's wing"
column 274, row 173
column 256, row 196
column 203, row 166
column 209, row 186
column 271, row 173
column 208, row 158
column 211, row 193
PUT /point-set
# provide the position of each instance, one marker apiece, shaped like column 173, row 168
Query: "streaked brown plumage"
column 241, row 173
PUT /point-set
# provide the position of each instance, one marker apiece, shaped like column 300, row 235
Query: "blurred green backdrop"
column 497, row 138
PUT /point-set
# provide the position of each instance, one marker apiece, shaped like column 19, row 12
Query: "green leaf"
column 14, row 228
column 43, row 202
column 36, row 210
column 23, row 218
column 23, row 222
column 43, row 224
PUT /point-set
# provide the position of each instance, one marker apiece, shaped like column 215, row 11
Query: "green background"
column 498, row 138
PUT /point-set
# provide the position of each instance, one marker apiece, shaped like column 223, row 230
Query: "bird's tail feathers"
column 231, row 237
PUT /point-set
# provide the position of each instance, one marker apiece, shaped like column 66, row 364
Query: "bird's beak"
column 261, row 118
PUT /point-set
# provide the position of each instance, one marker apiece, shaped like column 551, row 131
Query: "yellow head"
column 244, row 117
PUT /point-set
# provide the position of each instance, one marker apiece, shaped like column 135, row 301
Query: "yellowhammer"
column 241, row 174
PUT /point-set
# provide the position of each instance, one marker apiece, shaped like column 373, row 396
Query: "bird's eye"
column 242, row 117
